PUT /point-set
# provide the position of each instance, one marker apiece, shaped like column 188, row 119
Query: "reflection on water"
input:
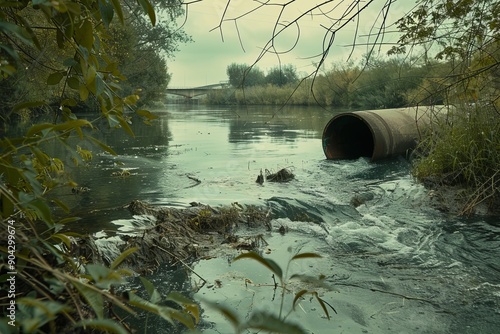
column 398, row 265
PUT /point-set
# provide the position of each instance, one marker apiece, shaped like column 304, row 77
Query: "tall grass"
column 463, row 148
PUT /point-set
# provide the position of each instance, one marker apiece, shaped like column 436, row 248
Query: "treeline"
column 374, row 84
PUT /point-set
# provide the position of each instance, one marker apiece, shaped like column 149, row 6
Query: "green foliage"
column 458, row 27
column 60, row 55
column 241, row 75
column 388, row 83
column 188, row 315
column 464, row 148
column 81, row 57
column 282, row 75
column 277, row 323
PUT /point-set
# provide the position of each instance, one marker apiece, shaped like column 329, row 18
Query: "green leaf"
column 11, row 29
column 68, row 220
column 270, row 323
column 73, row 83
column 154, row 295
column 92, row 297
column 103, row 146
column 270, row 264
column 227, row 312
column 62, row 238
column 102, row 276
column 305, row 256
column 112, row 120
column 131, row 99
column 10, row 51
column 323, row 306
column 84, row 92
column 63, row 206
column 84, row 35
column 38, row 128
column 55, row 78
column 71, row 125
column 40, row 156
column 42, row 210
column 7, row 69
column 28, row 105
column 181, row 316
column 100, row 85
column 297, row 297
column 148, row 8
column 146, row 114
column 107, row 12
column 69, row 102
column 103, row 325
column 70, row 62
column 165, row 312
column 90, row 78
column 125, row 125
column 122, row 257
column 26, row 25
column 118, row 9
column 41, row 311
column 188, row 305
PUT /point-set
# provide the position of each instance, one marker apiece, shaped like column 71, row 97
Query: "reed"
column 463, row 148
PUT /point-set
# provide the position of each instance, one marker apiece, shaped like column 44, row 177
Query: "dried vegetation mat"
column 182, row 234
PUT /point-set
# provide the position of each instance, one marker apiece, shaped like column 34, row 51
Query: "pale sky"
column 205, row 60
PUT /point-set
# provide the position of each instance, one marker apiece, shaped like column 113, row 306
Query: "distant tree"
column 336, row 87
column 241, row 75
column 282, row 75
column 141, row 53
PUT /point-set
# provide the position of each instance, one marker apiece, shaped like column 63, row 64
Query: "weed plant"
column 463, row 148
column 263, row 321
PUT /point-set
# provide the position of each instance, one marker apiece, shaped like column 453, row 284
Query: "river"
column 396, row 265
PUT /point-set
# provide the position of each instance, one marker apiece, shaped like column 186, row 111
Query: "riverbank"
column 458, row 201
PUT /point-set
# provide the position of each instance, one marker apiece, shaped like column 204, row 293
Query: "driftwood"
column 179, row 234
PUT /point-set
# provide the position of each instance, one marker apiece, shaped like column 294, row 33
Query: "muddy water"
column 395, row 264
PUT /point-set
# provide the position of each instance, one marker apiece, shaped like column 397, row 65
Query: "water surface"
column 397, row 265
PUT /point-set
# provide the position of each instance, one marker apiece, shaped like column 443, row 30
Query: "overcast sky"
column 204, row 61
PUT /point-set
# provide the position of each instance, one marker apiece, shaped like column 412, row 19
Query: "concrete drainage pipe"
column 376, row 134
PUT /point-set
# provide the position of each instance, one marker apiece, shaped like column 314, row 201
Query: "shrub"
column 463, row 148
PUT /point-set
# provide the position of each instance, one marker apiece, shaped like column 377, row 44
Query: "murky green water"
column 397, row 265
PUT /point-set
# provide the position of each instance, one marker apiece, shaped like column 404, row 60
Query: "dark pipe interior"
column 348, row 137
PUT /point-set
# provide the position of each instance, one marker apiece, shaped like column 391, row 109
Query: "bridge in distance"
column 189, row 93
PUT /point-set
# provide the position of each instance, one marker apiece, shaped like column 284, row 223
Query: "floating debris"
column 283, row 175
column 260, row 178
column 123, row 173
column 181, row 234
column 196, row 180
column 80, row 190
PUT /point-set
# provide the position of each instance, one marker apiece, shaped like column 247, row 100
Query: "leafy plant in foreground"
column 272, row 323
column 55, row 291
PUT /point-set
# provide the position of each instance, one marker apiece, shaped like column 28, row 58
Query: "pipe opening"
column 347, row 137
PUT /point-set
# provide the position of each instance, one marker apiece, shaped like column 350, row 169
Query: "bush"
column 463, row 148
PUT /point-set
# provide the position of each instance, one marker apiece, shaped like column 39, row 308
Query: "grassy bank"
column 463, row 149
